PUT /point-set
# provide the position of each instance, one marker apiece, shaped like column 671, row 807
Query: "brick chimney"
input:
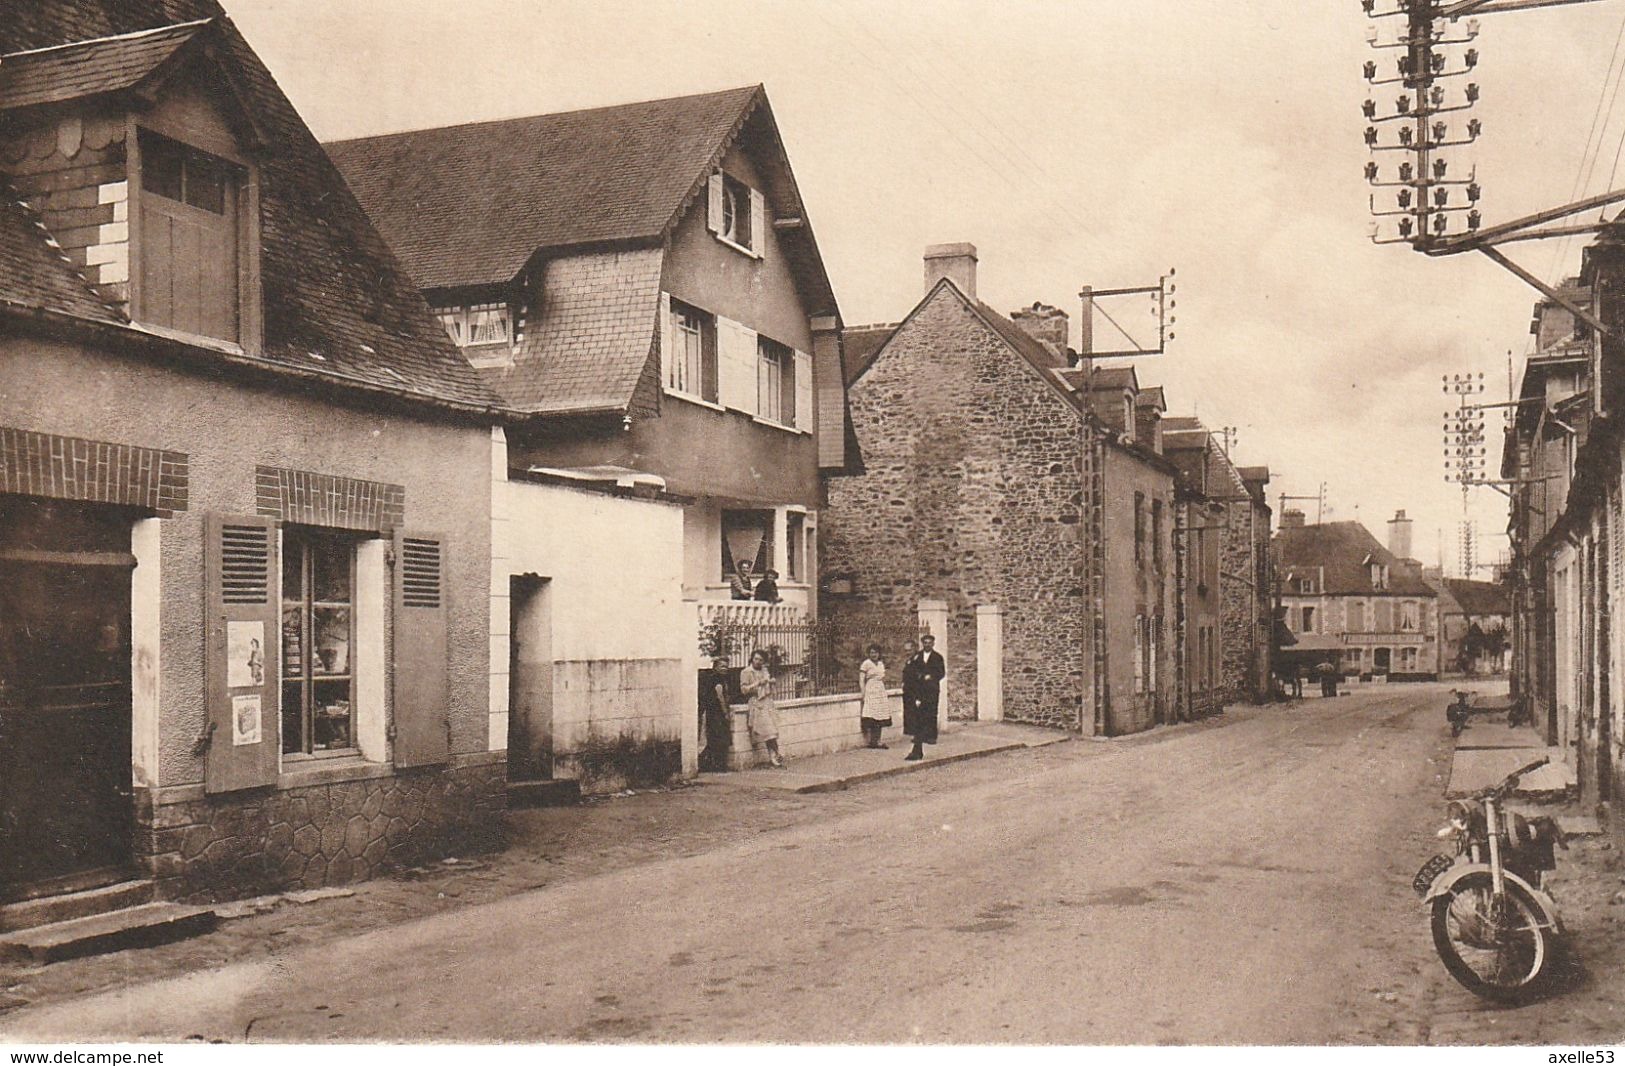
column 1292, row 519
column 956, row 262
column 1050, row 326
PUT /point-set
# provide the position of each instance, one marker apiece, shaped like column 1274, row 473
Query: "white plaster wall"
column 620, row 630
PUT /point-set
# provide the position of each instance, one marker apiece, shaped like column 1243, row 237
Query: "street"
column 1217, row 884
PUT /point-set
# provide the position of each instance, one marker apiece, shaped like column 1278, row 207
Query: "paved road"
column 1233, row 883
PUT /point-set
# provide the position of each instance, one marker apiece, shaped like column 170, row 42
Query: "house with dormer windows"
column 641, row 286
column 244, row 574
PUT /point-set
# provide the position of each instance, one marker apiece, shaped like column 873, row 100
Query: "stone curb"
column 839, row 784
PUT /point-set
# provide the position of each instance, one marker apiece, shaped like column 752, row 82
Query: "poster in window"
column 245, row 720
column 245, row 654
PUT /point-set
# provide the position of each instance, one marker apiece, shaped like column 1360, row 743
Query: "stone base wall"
column 226, row 847
column 815, row 726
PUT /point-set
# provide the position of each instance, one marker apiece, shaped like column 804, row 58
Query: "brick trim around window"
column 93, row 471
column 327, row 500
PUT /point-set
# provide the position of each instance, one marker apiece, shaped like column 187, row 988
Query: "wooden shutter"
column 804, row 391
column 242, row 726
column 713, row 203
column 736, row 365
column 758, row 223
column 422, row 691
column 666, row 353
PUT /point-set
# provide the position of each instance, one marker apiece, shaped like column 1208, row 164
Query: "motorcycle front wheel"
column 1499, row 948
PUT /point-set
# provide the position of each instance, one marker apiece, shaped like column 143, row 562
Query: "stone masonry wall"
column 227, row 847
column 974, row 493
column 1239, row 604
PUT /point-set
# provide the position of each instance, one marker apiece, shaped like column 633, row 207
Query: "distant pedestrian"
column 876, row 715
column 767, row 589
column 756, row 685
column 1297, row 682
column 910, row 649
column 1328, row 679
column 922, row 689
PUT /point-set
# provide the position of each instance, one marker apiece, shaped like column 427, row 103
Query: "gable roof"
column 337, row 306
column 1153, row 397
column 860, row 345
column 1479, row 597
column 1341, row 551
column 470, row 204
column 89, row 68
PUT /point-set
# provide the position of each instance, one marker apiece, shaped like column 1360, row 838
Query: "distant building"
column 1475, row 625
column 1338, row 581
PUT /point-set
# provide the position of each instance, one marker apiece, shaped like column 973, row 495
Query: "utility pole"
column 1424, row 204
column 1320, row 501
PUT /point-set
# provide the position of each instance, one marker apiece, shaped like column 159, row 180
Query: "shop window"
column 318, row 642
column 191, row 240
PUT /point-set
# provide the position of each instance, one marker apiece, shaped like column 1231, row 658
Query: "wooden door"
column 65, row 781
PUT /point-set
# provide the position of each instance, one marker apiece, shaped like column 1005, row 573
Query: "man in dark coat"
column 922, row 688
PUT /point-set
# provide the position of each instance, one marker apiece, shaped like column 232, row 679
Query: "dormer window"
column 737, row 214
column 191, row 237
column 477, row 325
column 1379, row 576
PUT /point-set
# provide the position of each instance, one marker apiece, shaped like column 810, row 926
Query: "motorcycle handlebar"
column 1510, row 782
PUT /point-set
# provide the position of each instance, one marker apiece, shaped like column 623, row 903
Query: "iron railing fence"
column 811, row 657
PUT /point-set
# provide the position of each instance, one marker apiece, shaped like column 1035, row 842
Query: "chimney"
column 1399, row 536
column 956, row 262
column 1292, row 519
column 1049, row 326
column 1148, row 426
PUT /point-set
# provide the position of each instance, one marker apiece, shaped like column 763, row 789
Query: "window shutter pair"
column 804, row 391
column 736, row 365
column 242, row 728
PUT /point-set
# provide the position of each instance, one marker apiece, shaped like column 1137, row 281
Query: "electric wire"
column 1583, row 172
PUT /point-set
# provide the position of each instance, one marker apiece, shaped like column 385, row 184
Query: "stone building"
column 1207, row 487
column 1475, row 625
column 989, row 481
column 642, row 287
column 1247, row 563
column 243, row 571
column 1338, row 581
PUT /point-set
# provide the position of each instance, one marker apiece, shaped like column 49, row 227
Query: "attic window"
column 736, row 213
column 477, row 325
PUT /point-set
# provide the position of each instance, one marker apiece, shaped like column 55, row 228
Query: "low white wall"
column 816, row 725
column 620, row 633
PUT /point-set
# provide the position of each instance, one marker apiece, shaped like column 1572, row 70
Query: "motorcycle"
column 1459, row 712
column 1494, row 926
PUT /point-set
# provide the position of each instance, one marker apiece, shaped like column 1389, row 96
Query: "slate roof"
column 336, row 303
column 33, row 272
column 860, row 345
column 1340, row 549
column 89, row 68
column 1105, row 379
column 1479, row 597
column 469, row 205
column 1153, row 397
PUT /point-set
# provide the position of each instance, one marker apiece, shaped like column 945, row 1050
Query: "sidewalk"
column 1488, row 749
column 842, row 769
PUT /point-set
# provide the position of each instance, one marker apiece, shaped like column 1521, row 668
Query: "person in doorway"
column 876, row 716
column 922, row 689
column 740, row 585
column 756, row 685
column 767, row 589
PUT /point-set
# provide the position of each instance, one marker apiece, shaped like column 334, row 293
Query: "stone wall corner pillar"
column 989, row 663
column 933, row 615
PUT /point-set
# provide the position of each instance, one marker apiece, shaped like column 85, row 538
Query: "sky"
column 1091, row 142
